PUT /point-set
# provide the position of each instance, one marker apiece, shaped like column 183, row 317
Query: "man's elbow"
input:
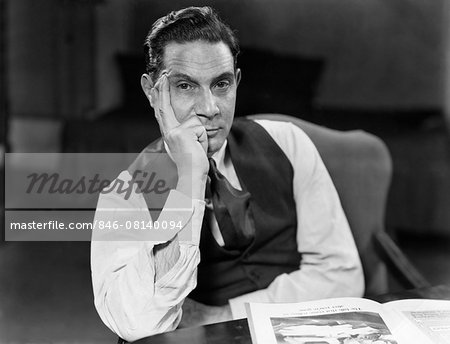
column 127, row 326
column 131, row 319
column 111, row 317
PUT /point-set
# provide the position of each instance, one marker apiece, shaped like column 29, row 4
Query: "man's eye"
column 184, row 86
column 223, row 85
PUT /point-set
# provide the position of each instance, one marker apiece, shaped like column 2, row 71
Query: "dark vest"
column 264, row 170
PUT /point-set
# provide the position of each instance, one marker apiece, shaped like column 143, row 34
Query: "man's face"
column 203, row 83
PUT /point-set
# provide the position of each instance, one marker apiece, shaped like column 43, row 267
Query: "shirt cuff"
column 237, row 304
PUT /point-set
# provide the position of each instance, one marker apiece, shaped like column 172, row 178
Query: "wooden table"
column 236, row 331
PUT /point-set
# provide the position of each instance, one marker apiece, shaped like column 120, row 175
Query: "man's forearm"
column 196, row 314
column 167, row 254
column 192, row 185
column 134, row 307
column 137, row 287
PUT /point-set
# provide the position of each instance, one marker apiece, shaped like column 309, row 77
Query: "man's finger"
column 155, row 96
column 191, row 121
column 157, row 106
column 202, row 137
column 168, row 119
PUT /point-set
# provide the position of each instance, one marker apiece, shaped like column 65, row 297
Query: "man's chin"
column 211, row 151
column 214, row 146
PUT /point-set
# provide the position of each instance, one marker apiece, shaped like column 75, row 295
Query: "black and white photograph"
column 166, row 163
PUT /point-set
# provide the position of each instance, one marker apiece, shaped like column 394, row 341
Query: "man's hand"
column 196, row 314
column 187, row 141
column 188, row 145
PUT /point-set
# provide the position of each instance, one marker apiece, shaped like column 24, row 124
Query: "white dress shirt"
column 133, row 305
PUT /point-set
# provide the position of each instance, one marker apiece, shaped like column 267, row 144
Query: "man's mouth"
column 212, row 131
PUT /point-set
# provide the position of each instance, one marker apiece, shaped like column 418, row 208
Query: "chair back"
column 360, row 166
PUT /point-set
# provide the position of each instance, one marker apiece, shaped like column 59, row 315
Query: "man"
column 287, row 239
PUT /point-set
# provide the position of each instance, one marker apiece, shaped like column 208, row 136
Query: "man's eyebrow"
column 226, row 75
column 181, row 76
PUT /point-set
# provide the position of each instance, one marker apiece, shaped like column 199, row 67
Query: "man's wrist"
column 223, row 313
column 192, row 186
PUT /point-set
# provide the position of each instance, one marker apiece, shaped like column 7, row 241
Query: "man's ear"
column 147, row 86
column 238, row 76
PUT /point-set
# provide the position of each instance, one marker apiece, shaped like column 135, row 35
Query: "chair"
column 361, row 168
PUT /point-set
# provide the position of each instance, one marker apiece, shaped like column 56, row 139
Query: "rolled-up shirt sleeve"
column 126, row 295
column 330, row 264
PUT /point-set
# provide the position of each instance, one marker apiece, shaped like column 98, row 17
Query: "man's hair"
column 186, row 25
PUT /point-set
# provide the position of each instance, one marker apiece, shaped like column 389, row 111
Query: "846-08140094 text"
column 106, row 225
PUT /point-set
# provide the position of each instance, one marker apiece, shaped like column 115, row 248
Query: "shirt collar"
column 219, row 156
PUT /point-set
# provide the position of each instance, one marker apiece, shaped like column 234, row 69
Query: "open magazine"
column 350, row 321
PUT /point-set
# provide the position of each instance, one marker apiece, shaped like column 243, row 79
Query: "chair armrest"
column 397, row 260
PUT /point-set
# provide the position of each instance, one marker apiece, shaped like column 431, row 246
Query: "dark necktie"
column 232, row 210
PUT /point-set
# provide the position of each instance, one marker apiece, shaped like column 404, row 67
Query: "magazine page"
column 431, row 317
column 332, row 321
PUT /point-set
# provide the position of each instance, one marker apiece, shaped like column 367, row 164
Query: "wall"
column 50, row 49
column 379, row 53
column 50, row 54
column 32, row 59
column 112, row 30
column 447, row 62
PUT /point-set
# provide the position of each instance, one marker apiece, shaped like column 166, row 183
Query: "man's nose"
column 206, row 104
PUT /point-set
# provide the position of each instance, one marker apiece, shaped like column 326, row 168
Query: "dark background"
column 69, row 82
